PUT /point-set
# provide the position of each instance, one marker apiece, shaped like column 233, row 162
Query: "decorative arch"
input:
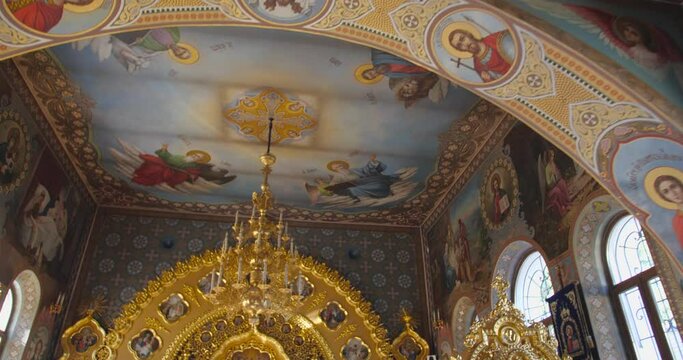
column 463, row 316
column 509, row 260
column 26, row 289
column 575, row 102
column 586, row 244
column 203, row 329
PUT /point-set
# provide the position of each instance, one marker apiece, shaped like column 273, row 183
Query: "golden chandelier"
column 265, row 254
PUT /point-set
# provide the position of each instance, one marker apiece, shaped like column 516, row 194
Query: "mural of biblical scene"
column 84, row 339
column 145, row 344
column 214, row 107
column 60, row 17
column 286, row 11
column 551, row 187
column 355, row 349
column 137, row 50
column 174, row 308
column 332, row 315
column 189, row 171
column 475, row 46
column 653, row 167
column 51, row 218
column 409, row 82
column 14, row 151
column 367, row 186
column 641, row 40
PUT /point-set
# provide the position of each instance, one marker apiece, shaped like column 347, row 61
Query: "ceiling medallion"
column 265, row 254
column 250, row 116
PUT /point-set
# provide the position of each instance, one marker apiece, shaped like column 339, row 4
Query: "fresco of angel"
column 363, row 186
column 188, row 173
column 409, row 82
column 647, row 45
column 135, row 50
column 44, row 223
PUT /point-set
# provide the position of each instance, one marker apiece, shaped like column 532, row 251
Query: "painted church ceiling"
column 176, row 118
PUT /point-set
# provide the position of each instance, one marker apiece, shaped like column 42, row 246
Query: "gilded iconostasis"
column 421, row 148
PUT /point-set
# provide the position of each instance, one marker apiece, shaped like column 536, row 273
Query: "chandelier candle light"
column 265, row 254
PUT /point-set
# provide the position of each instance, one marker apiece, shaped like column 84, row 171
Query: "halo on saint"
column 363, row 80
column 463, row 26
column 204, row 156
column 191, row 50
column 85, row 8
column 652, row 191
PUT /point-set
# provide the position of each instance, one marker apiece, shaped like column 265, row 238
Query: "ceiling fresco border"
column 578, row 79
column 67, row 114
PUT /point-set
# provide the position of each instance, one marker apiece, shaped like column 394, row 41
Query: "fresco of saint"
column 665, row 188
column 493, row 54
column 190, row 172
column 135, row 50
column 409, row 82
column 554, row 189
column 44, row 223
column 359, row 186
column 41, row 15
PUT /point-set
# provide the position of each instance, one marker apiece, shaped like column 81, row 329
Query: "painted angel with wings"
column 647, row 45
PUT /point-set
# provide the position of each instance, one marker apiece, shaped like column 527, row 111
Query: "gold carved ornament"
column 409, row 344
column 200, row 315
column 504, row 335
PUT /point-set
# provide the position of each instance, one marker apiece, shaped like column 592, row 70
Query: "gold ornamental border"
column 10, row 116
column 132, row 311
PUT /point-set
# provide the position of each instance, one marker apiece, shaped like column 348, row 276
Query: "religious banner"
column 571, row 323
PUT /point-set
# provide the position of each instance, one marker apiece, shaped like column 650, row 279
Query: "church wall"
column 130, row 249
column 466, row 242
column 62, row 215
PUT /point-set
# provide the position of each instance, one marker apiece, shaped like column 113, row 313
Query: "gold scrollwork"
column 132, row 9
column 591, row 119
column 344, row 10
column 535, row 78
column 409, row 344
column 411, row 21
column 231, row 9
column 12, row 36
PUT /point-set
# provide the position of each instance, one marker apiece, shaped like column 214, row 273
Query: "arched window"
column 637, row 294
column 6, row 312
column 532, row 286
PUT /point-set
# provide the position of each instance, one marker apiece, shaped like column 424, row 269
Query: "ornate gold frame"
column 69, row 349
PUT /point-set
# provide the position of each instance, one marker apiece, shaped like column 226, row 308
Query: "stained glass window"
column 532, row 287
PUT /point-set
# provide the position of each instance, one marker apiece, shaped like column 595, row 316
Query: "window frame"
column 4, row 335
column 640, row 282
column 513, row 288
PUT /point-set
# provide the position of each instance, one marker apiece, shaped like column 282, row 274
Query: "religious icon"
column 571, row 339
column 355, row 349
column 135, row 50
column 332, row 315
column 84, row 340
column 45, row 16
column 363, row 186
column 409, row 348
column 14, row 151
column 664, row 185
column 174, row 307
column 457, row 259
column 553, row 187
column 408, row 81
column 286, row 11
column 172, row 172
column 499, row 193
column 475, row 46
column 145, row 344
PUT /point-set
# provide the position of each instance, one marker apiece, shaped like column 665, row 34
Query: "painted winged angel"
column 348, row 187
column 647, row 45
column 44, row 223
column 189, row 173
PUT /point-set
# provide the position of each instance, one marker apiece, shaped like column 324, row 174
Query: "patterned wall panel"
column 131, row 250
